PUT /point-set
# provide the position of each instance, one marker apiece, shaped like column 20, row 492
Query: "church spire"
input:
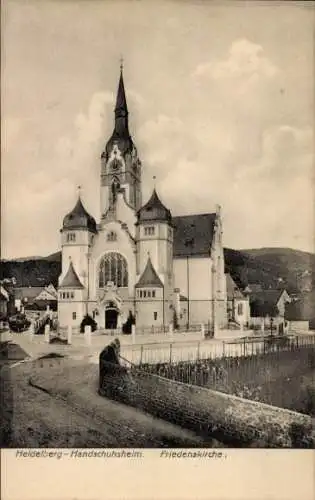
column 121, row 110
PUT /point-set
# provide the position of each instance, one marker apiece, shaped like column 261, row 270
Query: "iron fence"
column 192, row 350
column 280, row 374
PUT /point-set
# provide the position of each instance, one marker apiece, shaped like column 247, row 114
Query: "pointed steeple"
column 121, row 135
column 121, row 101
column 121, row 110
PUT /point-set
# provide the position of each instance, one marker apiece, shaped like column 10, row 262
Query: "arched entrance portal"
column 111, row 317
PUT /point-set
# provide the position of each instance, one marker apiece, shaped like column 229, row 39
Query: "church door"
column 111, row 319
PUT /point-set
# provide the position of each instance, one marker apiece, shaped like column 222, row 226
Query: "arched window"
column 114, row 268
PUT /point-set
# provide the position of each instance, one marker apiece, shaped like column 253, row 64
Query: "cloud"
column 245, row 60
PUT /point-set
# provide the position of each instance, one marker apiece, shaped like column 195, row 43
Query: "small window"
column 153, row 294
column 141, row 294
column 149, row 230
column 144, row 294
column 112, row 236
column 149, row 293
column 71, row 237
column 155, row 316
column 240, row 309
column 64, row 295
column 74, row 315
column 72, row 295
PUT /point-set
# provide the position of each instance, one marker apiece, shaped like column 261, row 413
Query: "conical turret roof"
column 71, row 279
column 154, row 210
column 149, row 277
column 79, row 218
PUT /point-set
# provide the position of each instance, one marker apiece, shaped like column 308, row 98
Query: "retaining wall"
column 232, row 420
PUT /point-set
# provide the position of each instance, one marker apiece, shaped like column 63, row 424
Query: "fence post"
column 244, row 347
column 87, row 334
column 133, row 333
column 141, row 354
column 198, row 351
column 223, row 349
column 47, row 328
column 69, row 334
column 171, row 345
column 297, row 341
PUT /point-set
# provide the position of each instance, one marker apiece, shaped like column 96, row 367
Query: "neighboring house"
column 268, row 307
column 297, row 316
column 238, row 309
column 37, row 297
column 301, row 312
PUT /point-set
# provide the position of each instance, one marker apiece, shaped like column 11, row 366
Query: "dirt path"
column 72, row 414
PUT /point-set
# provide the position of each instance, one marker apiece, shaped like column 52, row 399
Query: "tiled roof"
column 232, row 290
column 71, row 279
column 149, row 277
column 29, row 292
column 79, row 218
column 154, row 210
column 193, row 235
column 270, row 297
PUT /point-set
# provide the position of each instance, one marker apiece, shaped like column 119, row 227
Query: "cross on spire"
column 121, row 63
column 79, row 190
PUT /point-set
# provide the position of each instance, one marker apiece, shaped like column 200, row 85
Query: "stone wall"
column 233, row 421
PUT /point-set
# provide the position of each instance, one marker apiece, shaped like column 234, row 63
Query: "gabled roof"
column 149, row 277
column 265, row 302
column 193, row 235
column 29, row 292
column 232, row 290
column 154, row 211
column 71, row 279
column 79, row 218
column 270, row 297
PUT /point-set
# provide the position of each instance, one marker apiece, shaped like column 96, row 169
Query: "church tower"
column 121, row 167
column 154, row 239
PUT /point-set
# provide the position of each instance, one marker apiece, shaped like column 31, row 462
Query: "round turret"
column 154, row 211
column 79, row 218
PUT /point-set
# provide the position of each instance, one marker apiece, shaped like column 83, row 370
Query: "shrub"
column 19, row 323
column 88, row 321
column 301, row 435
column 126, row 328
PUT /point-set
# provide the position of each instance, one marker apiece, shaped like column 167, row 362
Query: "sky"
column 221, row 109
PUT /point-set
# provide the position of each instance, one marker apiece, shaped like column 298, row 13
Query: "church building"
column 138, row 258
